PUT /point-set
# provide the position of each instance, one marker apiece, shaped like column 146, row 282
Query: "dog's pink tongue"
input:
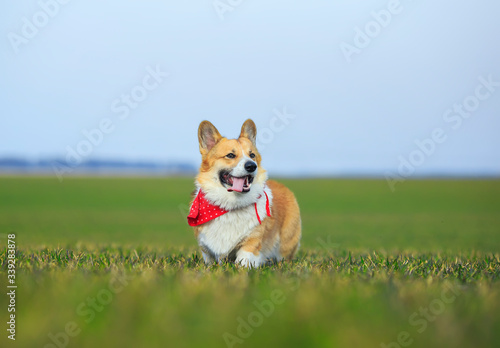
column 238, row 184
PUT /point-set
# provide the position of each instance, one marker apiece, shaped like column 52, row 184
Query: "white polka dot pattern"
column 202, row 211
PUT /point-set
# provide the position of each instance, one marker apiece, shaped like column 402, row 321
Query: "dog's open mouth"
column 236, row 184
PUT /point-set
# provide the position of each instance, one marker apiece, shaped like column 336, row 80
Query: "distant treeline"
column 46, row 165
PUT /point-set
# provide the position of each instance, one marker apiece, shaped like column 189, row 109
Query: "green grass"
column 422, row 263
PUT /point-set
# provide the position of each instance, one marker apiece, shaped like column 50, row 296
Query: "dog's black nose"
column 250, row 166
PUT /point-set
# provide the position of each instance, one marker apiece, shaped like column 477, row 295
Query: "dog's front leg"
column 249, row 254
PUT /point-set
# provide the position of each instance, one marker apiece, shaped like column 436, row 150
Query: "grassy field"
column 112, row 263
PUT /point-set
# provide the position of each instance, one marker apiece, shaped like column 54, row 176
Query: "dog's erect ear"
column 249, row 131
column 208, row 136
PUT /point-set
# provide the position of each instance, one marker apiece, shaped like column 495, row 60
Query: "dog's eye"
column 252, row 155
column 230, row 155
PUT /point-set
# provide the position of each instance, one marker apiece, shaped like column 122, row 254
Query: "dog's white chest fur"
column 220, row 236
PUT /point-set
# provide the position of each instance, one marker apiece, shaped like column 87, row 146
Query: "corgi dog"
column 237, row 214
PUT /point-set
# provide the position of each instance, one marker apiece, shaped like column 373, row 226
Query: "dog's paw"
column 248, row 259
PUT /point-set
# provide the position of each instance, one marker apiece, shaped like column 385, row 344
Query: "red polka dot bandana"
column 203, row 211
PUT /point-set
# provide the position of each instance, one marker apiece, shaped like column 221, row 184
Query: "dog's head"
column 230, row 173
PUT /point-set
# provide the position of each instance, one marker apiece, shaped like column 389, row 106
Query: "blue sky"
column 362, row 87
